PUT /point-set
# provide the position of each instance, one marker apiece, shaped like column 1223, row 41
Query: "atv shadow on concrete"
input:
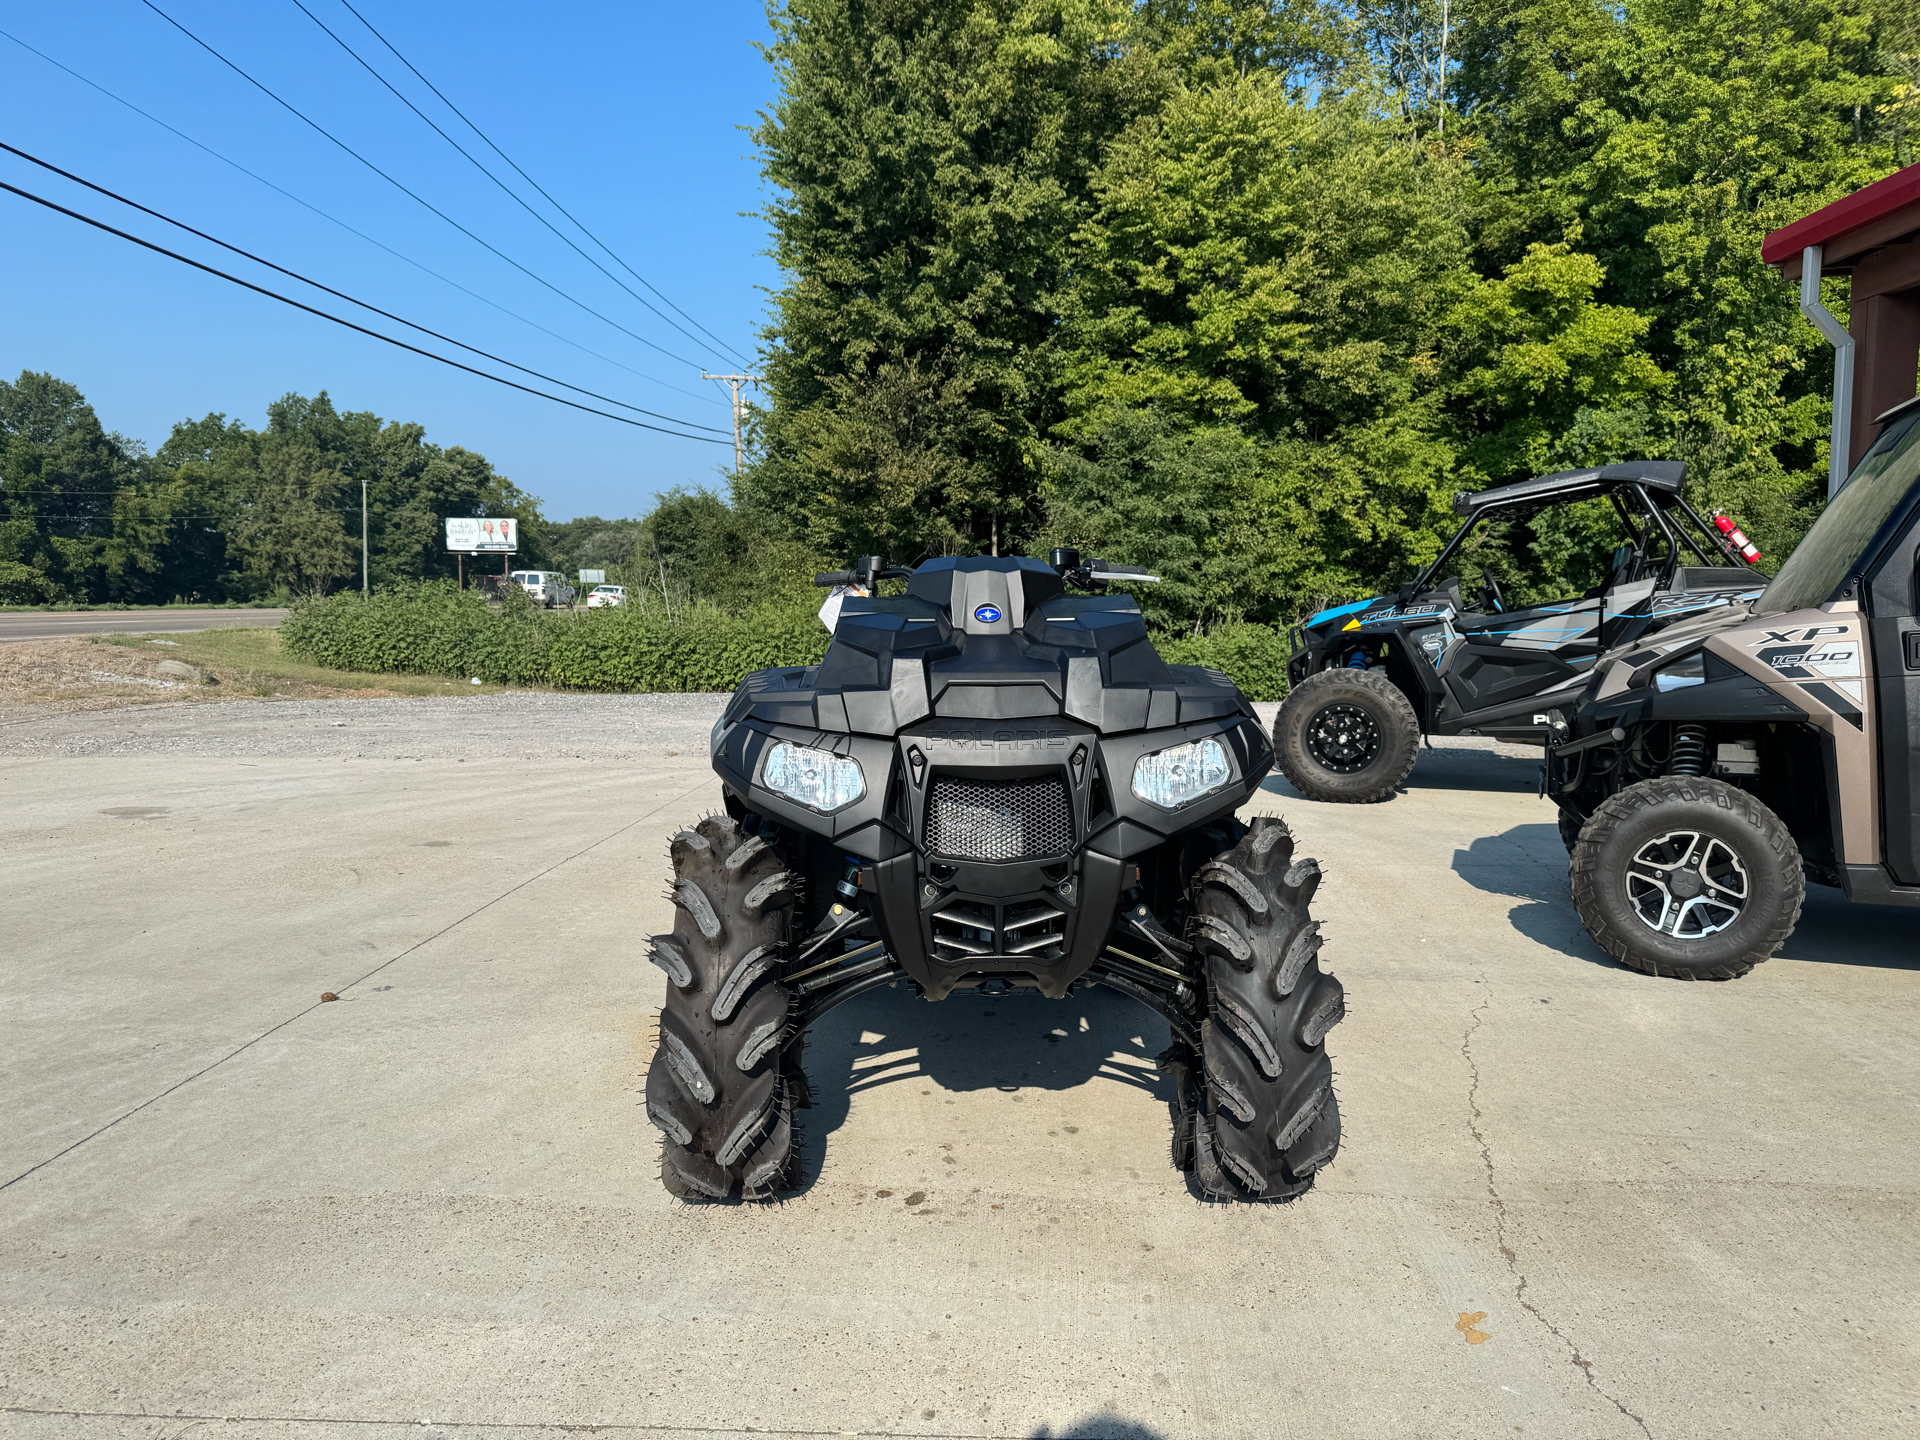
column 1008, row 1043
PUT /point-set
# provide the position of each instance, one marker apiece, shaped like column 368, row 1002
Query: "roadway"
column 56, row 625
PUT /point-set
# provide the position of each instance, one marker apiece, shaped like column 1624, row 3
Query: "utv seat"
column 1624, row 569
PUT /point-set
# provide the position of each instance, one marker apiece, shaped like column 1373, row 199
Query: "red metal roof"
column 1883, row 198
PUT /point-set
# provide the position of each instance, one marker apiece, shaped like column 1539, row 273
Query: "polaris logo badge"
column 987, row 614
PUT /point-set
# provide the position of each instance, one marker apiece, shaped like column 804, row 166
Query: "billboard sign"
column 593, row 577
column 483, row 533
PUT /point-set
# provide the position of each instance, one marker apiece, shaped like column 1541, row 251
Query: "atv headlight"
column 816, row 778
column 1689, row 670
column 1182, row 773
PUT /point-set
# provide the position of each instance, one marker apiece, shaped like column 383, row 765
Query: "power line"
column 504, row 188
column 322, row 130
column 335, row 220
column 537, row 186
column 351, row 300
column 337, row 320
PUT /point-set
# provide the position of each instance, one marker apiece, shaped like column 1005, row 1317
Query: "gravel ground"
column 526, row 725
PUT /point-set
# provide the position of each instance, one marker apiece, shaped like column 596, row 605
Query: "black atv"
column 1711, row 772
column 1368, row 679
column 990, row 785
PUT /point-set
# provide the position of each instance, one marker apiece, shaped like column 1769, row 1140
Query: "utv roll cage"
column 1646, row 494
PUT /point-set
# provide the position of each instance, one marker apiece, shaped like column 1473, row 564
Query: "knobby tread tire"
column 1628, row 819
column 1569, row 825
column 1373, row 692
column 724, row 1081
column 1256, row 1115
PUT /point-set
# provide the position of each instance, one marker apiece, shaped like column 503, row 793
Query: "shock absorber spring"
column 1689, row 754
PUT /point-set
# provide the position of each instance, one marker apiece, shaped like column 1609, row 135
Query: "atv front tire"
column 1687, row 877
column 724, row 1080
column 1257, row 1116
column 1346, row 735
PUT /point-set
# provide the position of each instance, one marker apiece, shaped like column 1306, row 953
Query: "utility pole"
column 363, row 535
column 735, row 382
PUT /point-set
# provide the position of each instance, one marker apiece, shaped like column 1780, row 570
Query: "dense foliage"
column 1247, row 291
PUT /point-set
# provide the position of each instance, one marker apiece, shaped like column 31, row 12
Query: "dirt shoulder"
column 95, row 673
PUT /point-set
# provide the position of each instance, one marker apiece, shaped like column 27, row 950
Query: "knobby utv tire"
column 724, row 1081
column 1569, row 825
column 1630, row 819
column 1255, row 1114
column 1366, row 690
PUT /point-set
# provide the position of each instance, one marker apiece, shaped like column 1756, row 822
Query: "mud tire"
column 1369, row 691
column 1630, row 819
column 725, row 1079
column 1255, row 1113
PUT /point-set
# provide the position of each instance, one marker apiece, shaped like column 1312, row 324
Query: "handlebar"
column 864, row 573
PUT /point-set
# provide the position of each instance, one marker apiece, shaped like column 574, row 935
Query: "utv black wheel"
column 1687, row 877
column 725, row 1078
column 1256, row 1115
column 1346, row 735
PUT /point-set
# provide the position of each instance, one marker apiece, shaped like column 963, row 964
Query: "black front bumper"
column 1034, row 900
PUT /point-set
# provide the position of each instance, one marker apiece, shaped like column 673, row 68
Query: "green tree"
column 930, row 160
column 60, row 473
column 1667, row 138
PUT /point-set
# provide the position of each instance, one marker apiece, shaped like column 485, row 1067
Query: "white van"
column 549, row 587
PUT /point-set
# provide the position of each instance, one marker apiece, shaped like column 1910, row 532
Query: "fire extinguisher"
column 1737, row 540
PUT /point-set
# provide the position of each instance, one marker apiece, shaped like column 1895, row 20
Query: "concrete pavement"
column 1571, row 1200
column 52, row 625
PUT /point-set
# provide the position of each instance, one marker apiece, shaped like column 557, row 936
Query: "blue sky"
column 629, row 114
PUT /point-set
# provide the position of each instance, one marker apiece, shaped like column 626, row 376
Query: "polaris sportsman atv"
column 1368, row 679
column 1708, row 773
column 989, row 784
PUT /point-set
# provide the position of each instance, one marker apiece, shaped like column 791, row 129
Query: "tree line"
column 222, row 512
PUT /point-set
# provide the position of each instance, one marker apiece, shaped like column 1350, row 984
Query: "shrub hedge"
column 432, row 628
column 1254, row 656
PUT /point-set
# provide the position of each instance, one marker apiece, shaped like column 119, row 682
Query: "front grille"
column 999, row 820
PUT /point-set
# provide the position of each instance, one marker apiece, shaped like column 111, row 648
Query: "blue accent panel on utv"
column 1321, row 615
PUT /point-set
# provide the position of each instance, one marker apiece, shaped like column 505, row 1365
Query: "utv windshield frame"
column 1654, row 486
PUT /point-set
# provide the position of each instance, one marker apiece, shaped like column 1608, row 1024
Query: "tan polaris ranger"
column 1706, row 774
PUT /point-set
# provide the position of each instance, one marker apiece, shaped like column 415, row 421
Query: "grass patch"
column 250, row 661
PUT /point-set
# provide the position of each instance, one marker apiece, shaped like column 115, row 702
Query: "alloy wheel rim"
column 1687, row 884
column 1344, row 738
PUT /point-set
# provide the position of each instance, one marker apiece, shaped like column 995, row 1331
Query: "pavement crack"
column 1586, row 1367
